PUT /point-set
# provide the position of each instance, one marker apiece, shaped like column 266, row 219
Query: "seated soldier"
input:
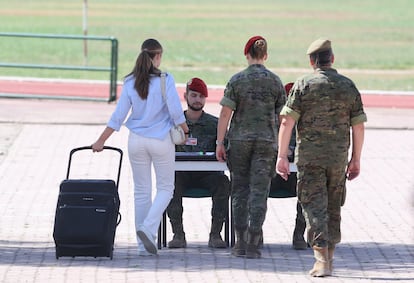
column 280, row 188
column 202, row 138
column 298, row 241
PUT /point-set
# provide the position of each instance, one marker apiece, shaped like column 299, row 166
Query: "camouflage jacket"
column 205, row 131
column 325, row 105
column 256, row 96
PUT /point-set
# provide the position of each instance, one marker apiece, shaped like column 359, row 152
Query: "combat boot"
column 298, row 241
column 252, row 248
column 215, row 240
column 239, row 248
column 178, row 241
column 321, row 265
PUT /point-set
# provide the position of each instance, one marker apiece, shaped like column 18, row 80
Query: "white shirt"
column 148, row 117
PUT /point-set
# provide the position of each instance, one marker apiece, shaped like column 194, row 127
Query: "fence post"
column 114, row 69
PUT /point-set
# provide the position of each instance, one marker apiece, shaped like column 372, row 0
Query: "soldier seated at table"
column 202, row 138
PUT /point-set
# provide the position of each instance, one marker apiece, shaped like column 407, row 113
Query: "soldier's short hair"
column 323, row 58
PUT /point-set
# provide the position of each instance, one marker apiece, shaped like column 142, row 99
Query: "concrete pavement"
column 37, row 135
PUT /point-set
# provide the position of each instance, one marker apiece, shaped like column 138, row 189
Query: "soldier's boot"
column 331, row 251
column 298, row 241
column 215, row 240
column 260, row 245
column 321, row 265
column 178, row 240
column 239, row 248
column 252, row 248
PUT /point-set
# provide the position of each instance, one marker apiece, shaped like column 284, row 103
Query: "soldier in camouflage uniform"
column 202, row 137
column 251, row 99
column 325, row 105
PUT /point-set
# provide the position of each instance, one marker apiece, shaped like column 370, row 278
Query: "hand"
column 282, row 167
column 97, row 146
column 353, row 169
column 186, row 139
column 221, row 153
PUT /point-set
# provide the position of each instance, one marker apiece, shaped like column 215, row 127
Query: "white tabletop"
column 210, row 166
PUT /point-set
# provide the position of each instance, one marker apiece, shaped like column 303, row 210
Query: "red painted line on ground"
column 101, row 90
column 388, row 101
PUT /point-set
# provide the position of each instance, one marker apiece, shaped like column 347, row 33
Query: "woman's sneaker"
column 147, row 240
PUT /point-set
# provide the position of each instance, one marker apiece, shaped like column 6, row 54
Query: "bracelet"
column 219, row 142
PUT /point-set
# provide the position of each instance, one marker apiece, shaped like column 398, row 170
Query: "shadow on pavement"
column 280, row 257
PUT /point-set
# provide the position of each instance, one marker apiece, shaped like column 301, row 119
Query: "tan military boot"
column 321, row 266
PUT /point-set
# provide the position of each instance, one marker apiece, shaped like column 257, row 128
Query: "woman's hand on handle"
column 99, row 144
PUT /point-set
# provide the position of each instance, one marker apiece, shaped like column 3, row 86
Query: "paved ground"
column 35, row 139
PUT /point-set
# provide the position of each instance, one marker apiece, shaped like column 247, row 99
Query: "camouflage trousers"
column 252, row 166
column 320, row 192
column 216, row 182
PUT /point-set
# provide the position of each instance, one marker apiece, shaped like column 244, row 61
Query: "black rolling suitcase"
column 87, row 214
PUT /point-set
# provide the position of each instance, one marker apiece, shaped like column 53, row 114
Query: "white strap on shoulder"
column 162, row 76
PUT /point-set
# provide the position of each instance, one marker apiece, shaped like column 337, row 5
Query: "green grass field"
column 373, row 40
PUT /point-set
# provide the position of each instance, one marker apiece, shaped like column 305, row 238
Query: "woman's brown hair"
column 259, row 49
column 144, row 67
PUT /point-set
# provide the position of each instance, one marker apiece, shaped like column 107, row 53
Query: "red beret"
column 288, row 87
column 196, row 84
column 251, row 41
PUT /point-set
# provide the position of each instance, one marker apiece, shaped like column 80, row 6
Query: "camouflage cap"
column 319, row 45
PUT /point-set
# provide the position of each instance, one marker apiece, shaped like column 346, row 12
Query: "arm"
column 222, row 125
column 185, row 128
column 99, row 144
column 357, row 141
column 285, row 132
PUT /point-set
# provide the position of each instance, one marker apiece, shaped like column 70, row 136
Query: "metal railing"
column 113, row 69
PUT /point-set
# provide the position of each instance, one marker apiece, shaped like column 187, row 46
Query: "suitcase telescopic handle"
column 90, row 148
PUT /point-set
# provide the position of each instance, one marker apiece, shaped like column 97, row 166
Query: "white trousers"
column 143, row 153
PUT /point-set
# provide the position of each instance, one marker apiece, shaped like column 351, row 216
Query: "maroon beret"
column 196, row 84
column 288, row 87
column 251, row 41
